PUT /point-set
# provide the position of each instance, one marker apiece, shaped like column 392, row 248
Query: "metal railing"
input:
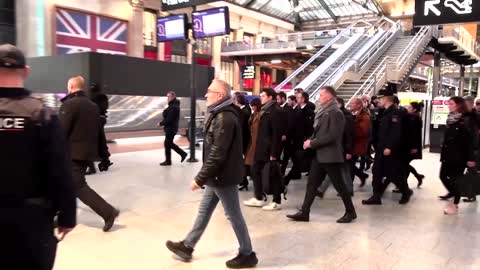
column 416, row 45
column 320, row 52
column 352, row 64
column 397, row 65
column 292, row 41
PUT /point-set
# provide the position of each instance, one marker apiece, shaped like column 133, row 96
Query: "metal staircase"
column 391, row 67
column 350, row 87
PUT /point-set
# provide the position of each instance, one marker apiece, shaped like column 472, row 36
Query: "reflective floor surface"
column 157, row 205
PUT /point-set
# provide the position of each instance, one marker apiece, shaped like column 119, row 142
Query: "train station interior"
column 137, row 51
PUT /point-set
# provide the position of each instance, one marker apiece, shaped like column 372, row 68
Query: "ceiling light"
column 276, row 61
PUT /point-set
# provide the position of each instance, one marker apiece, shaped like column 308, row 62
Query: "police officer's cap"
column 385, row 93
column 11, row 57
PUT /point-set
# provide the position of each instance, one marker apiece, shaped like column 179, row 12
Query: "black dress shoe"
column 104, row 165
column 179, row 249
column 472, row 199
column 347, row 218
column 300, row 216
column 420, row 180
column 111, row 220
column 374, row 200
column 184, row 156
column 243, row 261
column 406, row 197
column 166, row 163
column 320, row 194
column 446, row 197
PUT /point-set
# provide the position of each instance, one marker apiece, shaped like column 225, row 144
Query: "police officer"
column 36, row 183
column 388, row 166
column 80, row 119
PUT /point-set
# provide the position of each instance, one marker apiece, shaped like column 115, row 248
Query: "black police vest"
column 21, row 143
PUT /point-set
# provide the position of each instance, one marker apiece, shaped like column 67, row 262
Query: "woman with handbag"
column 457, row 152
column 256, row 106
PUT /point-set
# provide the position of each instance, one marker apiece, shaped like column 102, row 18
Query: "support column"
column 461, row 89
column 135, row 40
column 470, row 81
column 216, row 55
column 237, row 79
column 258, row 79
column 436, row 84
column 31, row 27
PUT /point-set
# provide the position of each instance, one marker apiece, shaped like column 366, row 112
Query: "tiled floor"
column 157, row 205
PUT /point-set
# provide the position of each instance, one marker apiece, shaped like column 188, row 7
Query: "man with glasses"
column 221, row 173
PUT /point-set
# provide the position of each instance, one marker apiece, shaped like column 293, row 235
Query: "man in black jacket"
column 171, row 117
column 241, row 102
column 268, row 149
column 101, row 100
column 388, row 166
column 297, row 140
column 80, row 119
column 36, row 182
column 221, row 173
column 288, row 135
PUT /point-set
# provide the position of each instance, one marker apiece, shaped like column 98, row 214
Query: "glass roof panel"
column 311, row 10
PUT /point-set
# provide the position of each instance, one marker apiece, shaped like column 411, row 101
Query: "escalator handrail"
column 320, row 52
column 384, row 40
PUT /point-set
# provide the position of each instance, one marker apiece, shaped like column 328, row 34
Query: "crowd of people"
column 45, row 157
column 333, row 144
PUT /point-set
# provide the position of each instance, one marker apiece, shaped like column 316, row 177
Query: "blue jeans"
column 231, row 204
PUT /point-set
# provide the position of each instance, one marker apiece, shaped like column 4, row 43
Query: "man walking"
column 327, row 141
column 171, row 117
column 221, row 173
column 268, row 149
column 389, row 152
column 80, row 119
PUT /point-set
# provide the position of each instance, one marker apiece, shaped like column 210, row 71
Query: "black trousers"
column 102, row 142
column 358, row 172
column 257, row 171
column 449, row 173
column 288, row 153
column 388, row 169
column 296, row 170
column 27, row 238
column 318, row 171
column 169, row 145
column 87, row 195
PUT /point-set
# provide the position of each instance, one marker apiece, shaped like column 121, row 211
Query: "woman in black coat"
column 457, row 152
column 416, row 147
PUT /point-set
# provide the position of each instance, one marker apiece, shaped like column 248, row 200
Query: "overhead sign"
column 168, row 5
column 432, row 12
column 248, row 72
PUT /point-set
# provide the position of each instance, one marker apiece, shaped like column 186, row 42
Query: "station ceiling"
column 313, row 11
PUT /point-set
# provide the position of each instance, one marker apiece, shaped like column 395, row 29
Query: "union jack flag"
column 82, row 32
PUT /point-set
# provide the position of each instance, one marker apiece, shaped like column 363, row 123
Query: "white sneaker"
column 253, row 202
column 272, row 207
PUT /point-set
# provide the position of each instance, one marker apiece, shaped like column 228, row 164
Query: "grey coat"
column 327, row 137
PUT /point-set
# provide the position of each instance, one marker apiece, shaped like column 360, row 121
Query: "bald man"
column 80, row 119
